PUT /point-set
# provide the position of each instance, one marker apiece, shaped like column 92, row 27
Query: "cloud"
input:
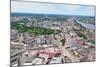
column 32, row 7
column 48, row 8
column 72, row 7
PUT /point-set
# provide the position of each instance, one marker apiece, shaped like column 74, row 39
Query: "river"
column 87, row 26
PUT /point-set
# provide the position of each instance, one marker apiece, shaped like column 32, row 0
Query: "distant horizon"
column 48, row 14
column 54, row 9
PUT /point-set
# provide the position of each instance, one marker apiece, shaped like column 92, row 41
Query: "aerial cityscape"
column 41, row 36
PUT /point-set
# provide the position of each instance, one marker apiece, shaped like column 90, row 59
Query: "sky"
column 51, row 8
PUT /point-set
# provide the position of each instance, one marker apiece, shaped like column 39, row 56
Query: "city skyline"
column 50, row 33
column 49, row 8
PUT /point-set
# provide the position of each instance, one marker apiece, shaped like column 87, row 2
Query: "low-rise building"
column 56, row 60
